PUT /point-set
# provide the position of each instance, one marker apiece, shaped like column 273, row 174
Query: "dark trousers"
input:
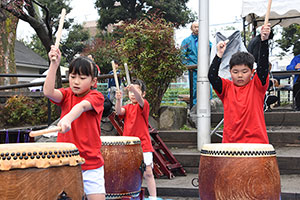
column 296, row 94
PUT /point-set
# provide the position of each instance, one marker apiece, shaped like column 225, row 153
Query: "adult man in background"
column 190, row 52
column 295, row 65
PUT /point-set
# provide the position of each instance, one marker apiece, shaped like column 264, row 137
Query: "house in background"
column 28, row 62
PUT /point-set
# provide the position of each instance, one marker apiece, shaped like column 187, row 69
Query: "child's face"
column 131, row 94
column 241, row 75
column 81, row 84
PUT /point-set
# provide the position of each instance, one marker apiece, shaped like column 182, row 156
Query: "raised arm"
column 118, row 106
column 263, row 59
column 138, row 96
column 76, row 111
column 49, row 85
column 213, row 72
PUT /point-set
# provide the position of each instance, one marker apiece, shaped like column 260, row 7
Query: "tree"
column 148, row 46
column 290, row 39
column 46, row 25
column 8, row 25
column 113, row 11
column 74, row 44
column 104, row 50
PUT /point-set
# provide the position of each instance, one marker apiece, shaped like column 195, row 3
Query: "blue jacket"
column 190, row 50
column 293, row 64
column 111, row 81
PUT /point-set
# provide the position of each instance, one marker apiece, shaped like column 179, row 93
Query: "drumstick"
column 59, row 31
column 44, row 131
column 268, row 12
column 115, row 74
column 127, row 74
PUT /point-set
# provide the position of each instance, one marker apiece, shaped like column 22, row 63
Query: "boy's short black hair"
column 140, row 83
column 242, row 58
column 83, row 65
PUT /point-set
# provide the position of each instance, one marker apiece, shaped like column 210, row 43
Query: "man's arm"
column 76, row 111
column 295, row 64
column 263, row 59
column 49, row 85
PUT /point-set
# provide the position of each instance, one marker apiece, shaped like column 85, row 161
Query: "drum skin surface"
column 239, row 174
column 123, row 157
column 40, row 171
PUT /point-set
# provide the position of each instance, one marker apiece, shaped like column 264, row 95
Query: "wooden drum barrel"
column 123, row 159
column 238, row 171
column 40, row 171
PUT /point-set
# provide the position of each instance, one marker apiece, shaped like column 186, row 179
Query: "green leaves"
column 21, row 110
column 290, row 39
column 113, row 11
column 148, row 47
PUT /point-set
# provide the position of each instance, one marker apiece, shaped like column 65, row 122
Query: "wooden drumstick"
column 268, row 12
column 127, row 74
column 59, row 31
column 44, row 131
column 115, row 75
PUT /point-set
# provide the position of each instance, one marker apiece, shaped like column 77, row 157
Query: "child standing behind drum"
column 243, row 97
column 136, row 116
column 81, row 111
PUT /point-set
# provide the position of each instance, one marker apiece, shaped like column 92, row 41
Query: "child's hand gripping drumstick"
column 127, row 74
column 59, row 31
column 221, row 47
column 115, row 75
column 44, row 131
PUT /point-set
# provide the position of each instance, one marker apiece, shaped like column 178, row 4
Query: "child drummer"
column 136, row 116
column 243, row 97
column 81, row 111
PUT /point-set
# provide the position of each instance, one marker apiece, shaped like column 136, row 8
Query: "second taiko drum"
column 238, row 171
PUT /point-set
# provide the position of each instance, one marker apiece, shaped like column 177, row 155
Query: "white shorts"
column 148, row 158
column 93, row 181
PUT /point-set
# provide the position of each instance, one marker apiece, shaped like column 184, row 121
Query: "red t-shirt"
column 136, row 124
column 244, row 120
column 85, row 130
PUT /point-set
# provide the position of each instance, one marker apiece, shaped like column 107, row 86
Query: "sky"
column 221, row 14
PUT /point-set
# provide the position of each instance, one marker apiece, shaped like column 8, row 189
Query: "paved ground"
column 289, row 184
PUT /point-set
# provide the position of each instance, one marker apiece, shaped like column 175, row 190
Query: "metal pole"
column 203, row 85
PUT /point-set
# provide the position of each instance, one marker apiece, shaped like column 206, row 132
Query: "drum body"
column 238, row 171
column 123, row 159
column 40, row 171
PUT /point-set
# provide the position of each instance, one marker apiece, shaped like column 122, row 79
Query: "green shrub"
column 148, row 46
column 21, row 110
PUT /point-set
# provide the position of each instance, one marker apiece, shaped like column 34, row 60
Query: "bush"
column 148, row 46
column 21, row 110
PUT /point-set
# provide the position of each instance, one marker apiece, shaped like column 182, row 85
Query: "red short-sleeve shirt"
column 85, row 130
column 136, row 124
column 244, row 120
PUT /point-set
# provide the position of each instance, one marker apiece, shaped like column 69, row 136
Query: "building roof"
column 25, row 57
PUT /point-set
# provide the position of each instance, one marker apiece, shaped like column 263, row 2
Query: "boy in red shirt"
column 81, row 111
column 136, row 116
column 243, row 97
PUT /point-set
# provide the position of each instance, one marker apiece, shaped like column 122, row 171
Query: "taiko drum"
column 238, row 171
column 123, row 161
column 40, row 171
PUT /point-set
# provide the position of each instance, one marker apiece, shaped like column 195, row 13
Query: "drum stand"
column 164, row 163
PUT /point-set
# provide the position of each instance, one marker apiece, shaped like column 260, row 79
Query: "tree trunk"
column 8, row 27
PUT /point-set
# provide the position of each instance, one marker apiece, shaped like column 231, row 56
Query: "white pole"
column 203, row 85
